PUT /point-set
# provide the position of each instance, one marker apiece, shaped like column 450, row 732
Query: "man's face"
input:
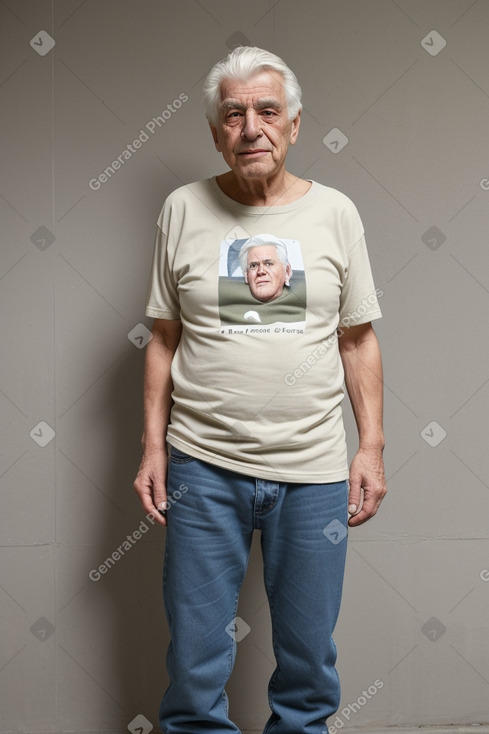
column 253, row 131
column 266, row 273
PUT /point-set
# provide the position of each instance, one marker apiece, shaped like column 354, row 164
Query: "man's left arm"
column 362, row 363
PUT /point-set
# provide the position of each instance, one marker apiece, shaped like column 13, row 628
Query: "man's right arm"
column 150, row 483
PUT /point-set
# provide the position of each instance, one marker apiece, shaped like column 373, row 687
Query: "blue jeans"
column 211, row 519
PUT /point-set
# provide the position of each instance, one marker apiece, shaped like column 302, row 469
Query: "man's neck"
column 258, row 192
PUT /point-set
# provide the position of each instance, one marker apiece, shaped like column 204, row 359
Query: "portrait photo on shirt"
column 261, row 282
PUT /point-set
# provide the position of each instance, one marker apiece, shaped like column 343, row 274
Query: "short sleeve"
column 359, row 298
column 162, row 298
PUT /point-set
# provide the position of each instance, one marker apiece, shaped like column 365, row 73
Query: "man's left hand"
column 367, row 474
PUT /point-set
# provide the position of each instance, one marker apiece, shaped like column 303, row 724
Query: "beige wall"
column 80, row 654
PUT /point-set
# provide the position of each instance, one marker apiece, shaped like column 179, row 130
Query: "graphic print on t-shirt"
column 261, row 283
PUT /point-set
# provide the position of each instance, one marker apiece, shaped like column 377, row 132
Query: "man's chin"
column 253, row 169
column 265, row 297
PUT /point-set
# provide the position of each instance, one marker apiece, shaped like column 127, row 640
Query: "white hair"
column 243, row 63
column 258, row 241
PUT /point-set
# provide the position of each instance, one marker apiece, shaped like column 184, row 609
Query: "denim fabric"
column 213, row 513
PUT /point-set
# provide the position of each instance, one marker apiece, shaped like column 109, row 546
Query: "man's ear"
column 214, row 137
column 288, row 274
column 295, row 128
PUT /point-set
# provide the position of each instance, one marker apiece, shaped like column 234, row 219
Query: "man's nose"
column 251, row 127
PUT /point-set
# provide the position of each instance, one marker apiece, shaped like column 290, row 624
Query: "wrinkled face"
column 266, row 274
column 253, row 131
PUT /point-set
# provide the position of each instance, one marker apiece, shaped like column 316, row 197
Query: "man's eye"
column 264, row 264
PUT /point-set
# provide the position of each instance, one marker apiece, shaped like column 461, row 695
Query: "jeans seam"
column 232, row 649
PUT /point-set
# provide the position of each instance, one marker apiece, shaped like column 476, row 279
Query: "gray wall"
column 81, row 654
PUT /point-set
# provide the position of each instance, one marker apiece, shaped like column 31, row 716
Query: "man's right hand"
column 150, row 483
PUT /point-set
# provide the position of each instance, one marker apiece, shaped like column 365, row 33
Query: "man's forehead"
column 258, row 250
column 268, row 84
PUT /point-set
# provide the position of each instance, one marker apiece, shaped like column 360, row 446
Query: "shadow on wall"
column 134, row 583
column 119, row 617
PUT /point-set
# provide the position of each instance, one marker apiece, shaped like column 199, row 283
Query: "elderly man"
column 266, row 267
column 251, row 449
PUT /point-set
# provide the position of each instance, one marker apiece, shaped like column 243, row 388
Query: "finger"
column 151, row 508
column 159, row 493
column 151, row 499
column 159, row 511
column 354, row 508
column 368, row 509
column 358, row 519
column 361, row 516
column 355, row 496
column 160, row 500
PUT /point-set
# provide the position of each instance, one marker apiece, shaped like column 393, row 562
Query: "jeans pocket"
column 179, row 457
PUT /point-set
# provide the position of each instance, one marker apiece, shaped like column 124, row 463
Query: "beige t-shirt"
column 258, row 385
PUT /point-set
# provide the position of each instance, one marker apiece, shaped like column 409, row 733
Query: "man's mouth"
column 254, row 152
